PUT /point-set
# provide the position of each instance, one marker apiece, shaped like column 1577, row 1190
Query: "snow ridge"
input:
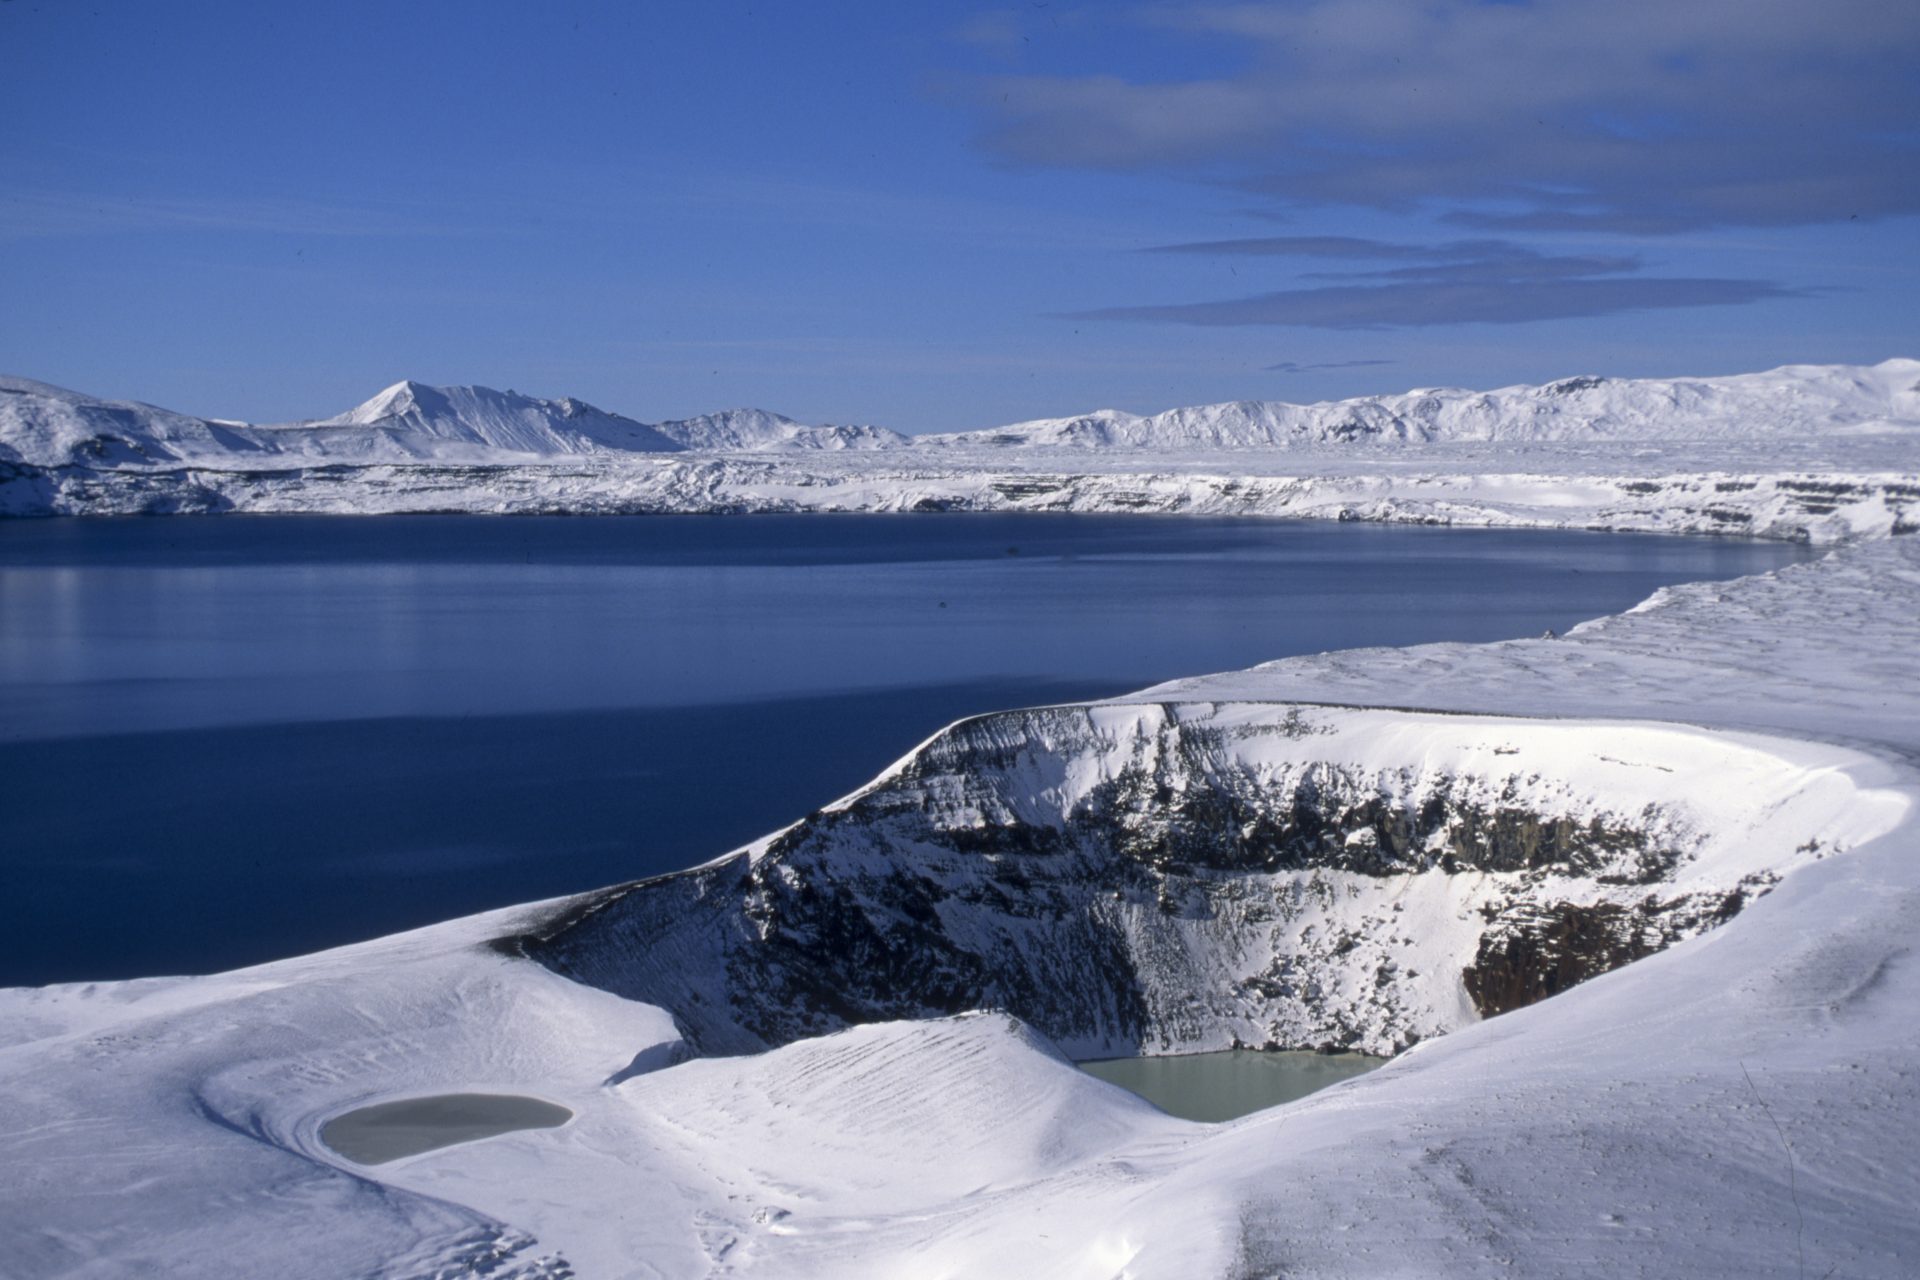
column 1173, row 878
column 1790, row 401
column 756, row 430
column 415, row 419
column 47, row 427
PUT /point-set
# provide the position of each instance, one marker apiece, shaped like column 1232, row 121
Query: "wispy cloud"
column 1351, row 247
column 1453, row 282
column 1000, row 32
column 1291, row 366
column 1453, row 260
column 1632, row 116
column 1447, row 302
column 31, row 214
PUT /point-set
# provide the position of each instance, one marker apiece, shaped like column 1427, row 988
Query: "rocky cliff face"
column 1168, row 878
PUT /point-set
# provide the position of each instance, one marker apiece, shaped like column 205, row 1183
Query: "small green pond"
column 1231, row 1083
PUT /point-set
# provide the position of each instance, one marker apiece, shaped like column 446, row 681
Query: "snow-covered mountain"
column 416, row 418
column 756, row 430
column 1796, row 400
column 1817, row 452
column 46, row 426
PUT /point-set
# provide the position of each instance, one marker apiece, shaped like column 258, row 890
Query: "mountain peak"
column 395, row 401
column 421, row 419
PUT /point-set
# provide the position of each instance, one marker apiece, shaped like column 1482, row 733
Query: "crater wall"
column 1188, row 876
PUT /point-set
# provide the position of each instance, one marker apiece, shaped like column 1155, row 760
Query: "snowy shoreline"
column 1636, row 1118
column 1822, row 507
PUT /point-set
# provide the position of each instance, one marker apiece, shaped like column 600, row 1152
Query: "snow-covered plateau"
column 1635, row 908
column 1806, row 452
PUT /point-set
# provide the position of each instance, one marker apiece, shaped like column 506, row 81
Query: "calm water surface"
column 1231, row 1083
column 228, row 739
column 394, row 1130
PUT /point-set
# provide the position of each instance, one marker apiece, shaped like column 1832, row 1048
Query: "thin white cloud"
column 32, row 214
column 1294, row 366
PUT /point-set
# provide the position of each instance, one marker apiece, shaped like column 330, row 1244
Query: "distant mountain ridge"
column 1793, row 400
column 47, row 426
column 753, row 430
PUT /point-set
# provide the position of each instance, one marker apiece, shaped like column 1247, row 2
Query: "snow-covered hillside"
column 50, row 428
column 1711, row 802
column 53, row 430
column 1181, row 877
column 756, row 430
column 1796, row 490
column 43, row 426
column 1798, row 400
column 1634, row 905
column 411, row 418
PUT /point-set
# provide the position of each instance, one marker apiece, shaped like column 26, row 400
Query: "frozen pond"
column 393, row 1130
column 1231, row 1083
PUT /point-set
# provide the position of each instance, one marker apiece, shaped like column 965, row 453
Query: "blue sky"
column 939, row 216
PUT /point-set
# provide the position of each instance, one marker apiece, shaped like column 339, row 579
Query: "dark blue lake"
column 228, row 739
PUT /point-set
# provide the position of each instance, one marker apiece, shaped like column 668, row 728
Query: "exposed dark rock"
column 1532, row 952
column 1182, row 897
column 1831, row 488
column 1018, row 489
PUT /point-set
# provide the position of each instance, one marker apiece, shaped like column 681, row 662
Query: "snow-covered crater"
column 1178, row 877
column 1730, row 1106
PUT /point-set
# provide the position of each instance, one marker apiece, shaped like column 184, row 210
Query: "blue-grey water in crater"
column 1229, row 1083
column 406, row 1127
column 228, row 739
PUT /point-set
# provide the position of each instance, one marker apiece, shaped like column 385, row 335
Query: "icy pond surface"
column 393, row 1130
column 1231, row 1083
column 229, row 739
